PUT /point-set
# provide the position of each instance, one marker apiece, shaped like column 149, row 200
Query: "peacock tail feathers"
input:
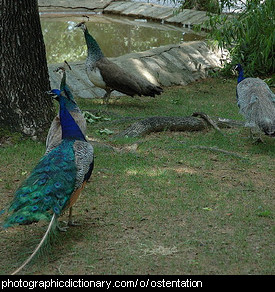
column 48, row 188
column 43, row 245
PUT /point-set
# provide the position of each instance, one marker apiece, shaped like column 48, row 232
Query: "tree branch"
column 190, row 123
column 215, row 149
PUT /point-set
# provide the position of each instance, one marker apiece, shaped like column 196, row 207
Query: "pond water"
column 115, row 35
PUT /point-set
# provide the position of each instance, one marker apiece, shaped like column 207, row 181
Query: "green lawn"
column 157, row 204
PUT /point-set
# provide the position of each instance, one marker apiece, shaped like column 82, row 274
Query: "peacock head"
column 54, row 93
column 65, row 96
column 82, row 25
column 238, row 67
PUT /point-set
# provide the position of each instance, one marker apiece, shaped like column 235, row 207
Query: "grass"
column 157, row 204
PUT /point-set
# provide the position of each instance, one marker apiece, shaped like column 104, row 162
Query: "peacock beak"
column 52, row 94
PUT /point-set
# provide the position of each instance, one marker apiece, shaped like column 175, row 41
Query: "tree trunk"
column 24, row 80
column 158, row 124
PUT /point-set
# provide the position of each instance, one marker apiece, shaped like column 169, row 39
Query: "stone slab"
column 187, row 17
column 76, row 4
column 177, row 64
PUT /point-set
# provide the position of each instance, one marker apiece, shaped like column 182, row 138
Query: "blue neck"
column 241, row 75
column 70, row 129
column 94, row 51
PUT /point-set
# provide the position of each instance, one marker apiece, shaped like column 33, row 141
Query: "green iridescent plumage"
column 47, row 189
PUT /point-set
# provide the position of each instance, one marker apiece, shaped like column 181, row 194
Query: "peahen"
column 105, row 74
column 56, row 182
column 54, row 134
column 256, row 103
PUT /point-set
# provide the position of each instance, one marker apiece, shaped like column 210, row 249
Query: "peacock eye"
column 57, row 185
column 56, row 210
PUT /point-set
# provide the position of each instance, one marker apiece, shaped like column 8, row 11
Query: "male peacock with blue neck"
column 55, row 134
column 56, row 182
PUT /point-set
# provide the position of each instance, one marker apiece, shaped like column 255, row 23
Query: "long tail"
column 152, row 90
column 38, row 246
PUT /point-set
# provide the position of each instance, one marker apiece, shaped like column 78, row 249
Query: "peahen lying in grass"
column 109, row 76
column 256, row 103
column 56, row 182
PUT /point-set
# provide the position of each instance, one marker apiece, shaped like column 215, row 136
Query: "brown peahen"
column 109, row 76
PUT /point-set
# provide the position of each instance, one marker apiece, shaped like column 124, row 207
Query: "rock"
column 49, row 5
column 166, row 65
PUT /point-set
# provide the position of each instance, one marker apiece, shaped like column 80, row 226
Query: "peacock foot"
column 62, row 229
column 73, row 224
column 258, row 140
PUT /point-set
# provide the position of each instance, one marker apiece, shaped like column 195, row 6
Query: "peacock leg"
column 256, row 136
column 107, row 96
column 70, row 221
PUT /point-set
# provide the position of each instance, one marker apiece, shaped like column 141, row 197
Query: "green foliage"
column 248, row 35
column 9, row 137
column 91, row 118
column 205, row 5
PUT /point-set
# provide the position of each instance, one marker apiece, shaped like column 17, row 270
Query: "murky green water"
column 116, row 36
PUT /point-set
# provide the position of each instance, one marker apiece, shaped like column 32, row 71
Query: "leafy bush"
column 205, row 5
column 249, row 36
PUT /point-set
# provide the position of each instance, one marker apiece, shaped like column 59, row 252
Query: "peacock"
column 54, row 134
column 57, row 180
column 256, row 103
column 109, row 76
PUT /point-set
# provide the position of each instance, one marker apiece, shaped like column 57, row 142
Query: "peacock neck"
column 94, row 51
column 70, row 103
column 240, row 76
column 70, row 129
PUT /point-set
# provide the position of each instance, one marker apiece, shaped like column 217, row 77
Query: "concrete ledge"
column 186, row 18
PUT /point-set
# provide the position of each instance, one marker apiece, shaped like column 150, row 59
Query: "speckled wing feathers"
column 256, row 103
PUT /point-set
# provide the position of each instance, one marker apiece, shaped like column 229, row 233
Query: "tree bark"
column 24, row 80
column 158, row 124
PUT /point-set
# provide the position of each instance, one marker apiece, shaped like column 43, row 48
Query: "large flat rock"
column 169, row 65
